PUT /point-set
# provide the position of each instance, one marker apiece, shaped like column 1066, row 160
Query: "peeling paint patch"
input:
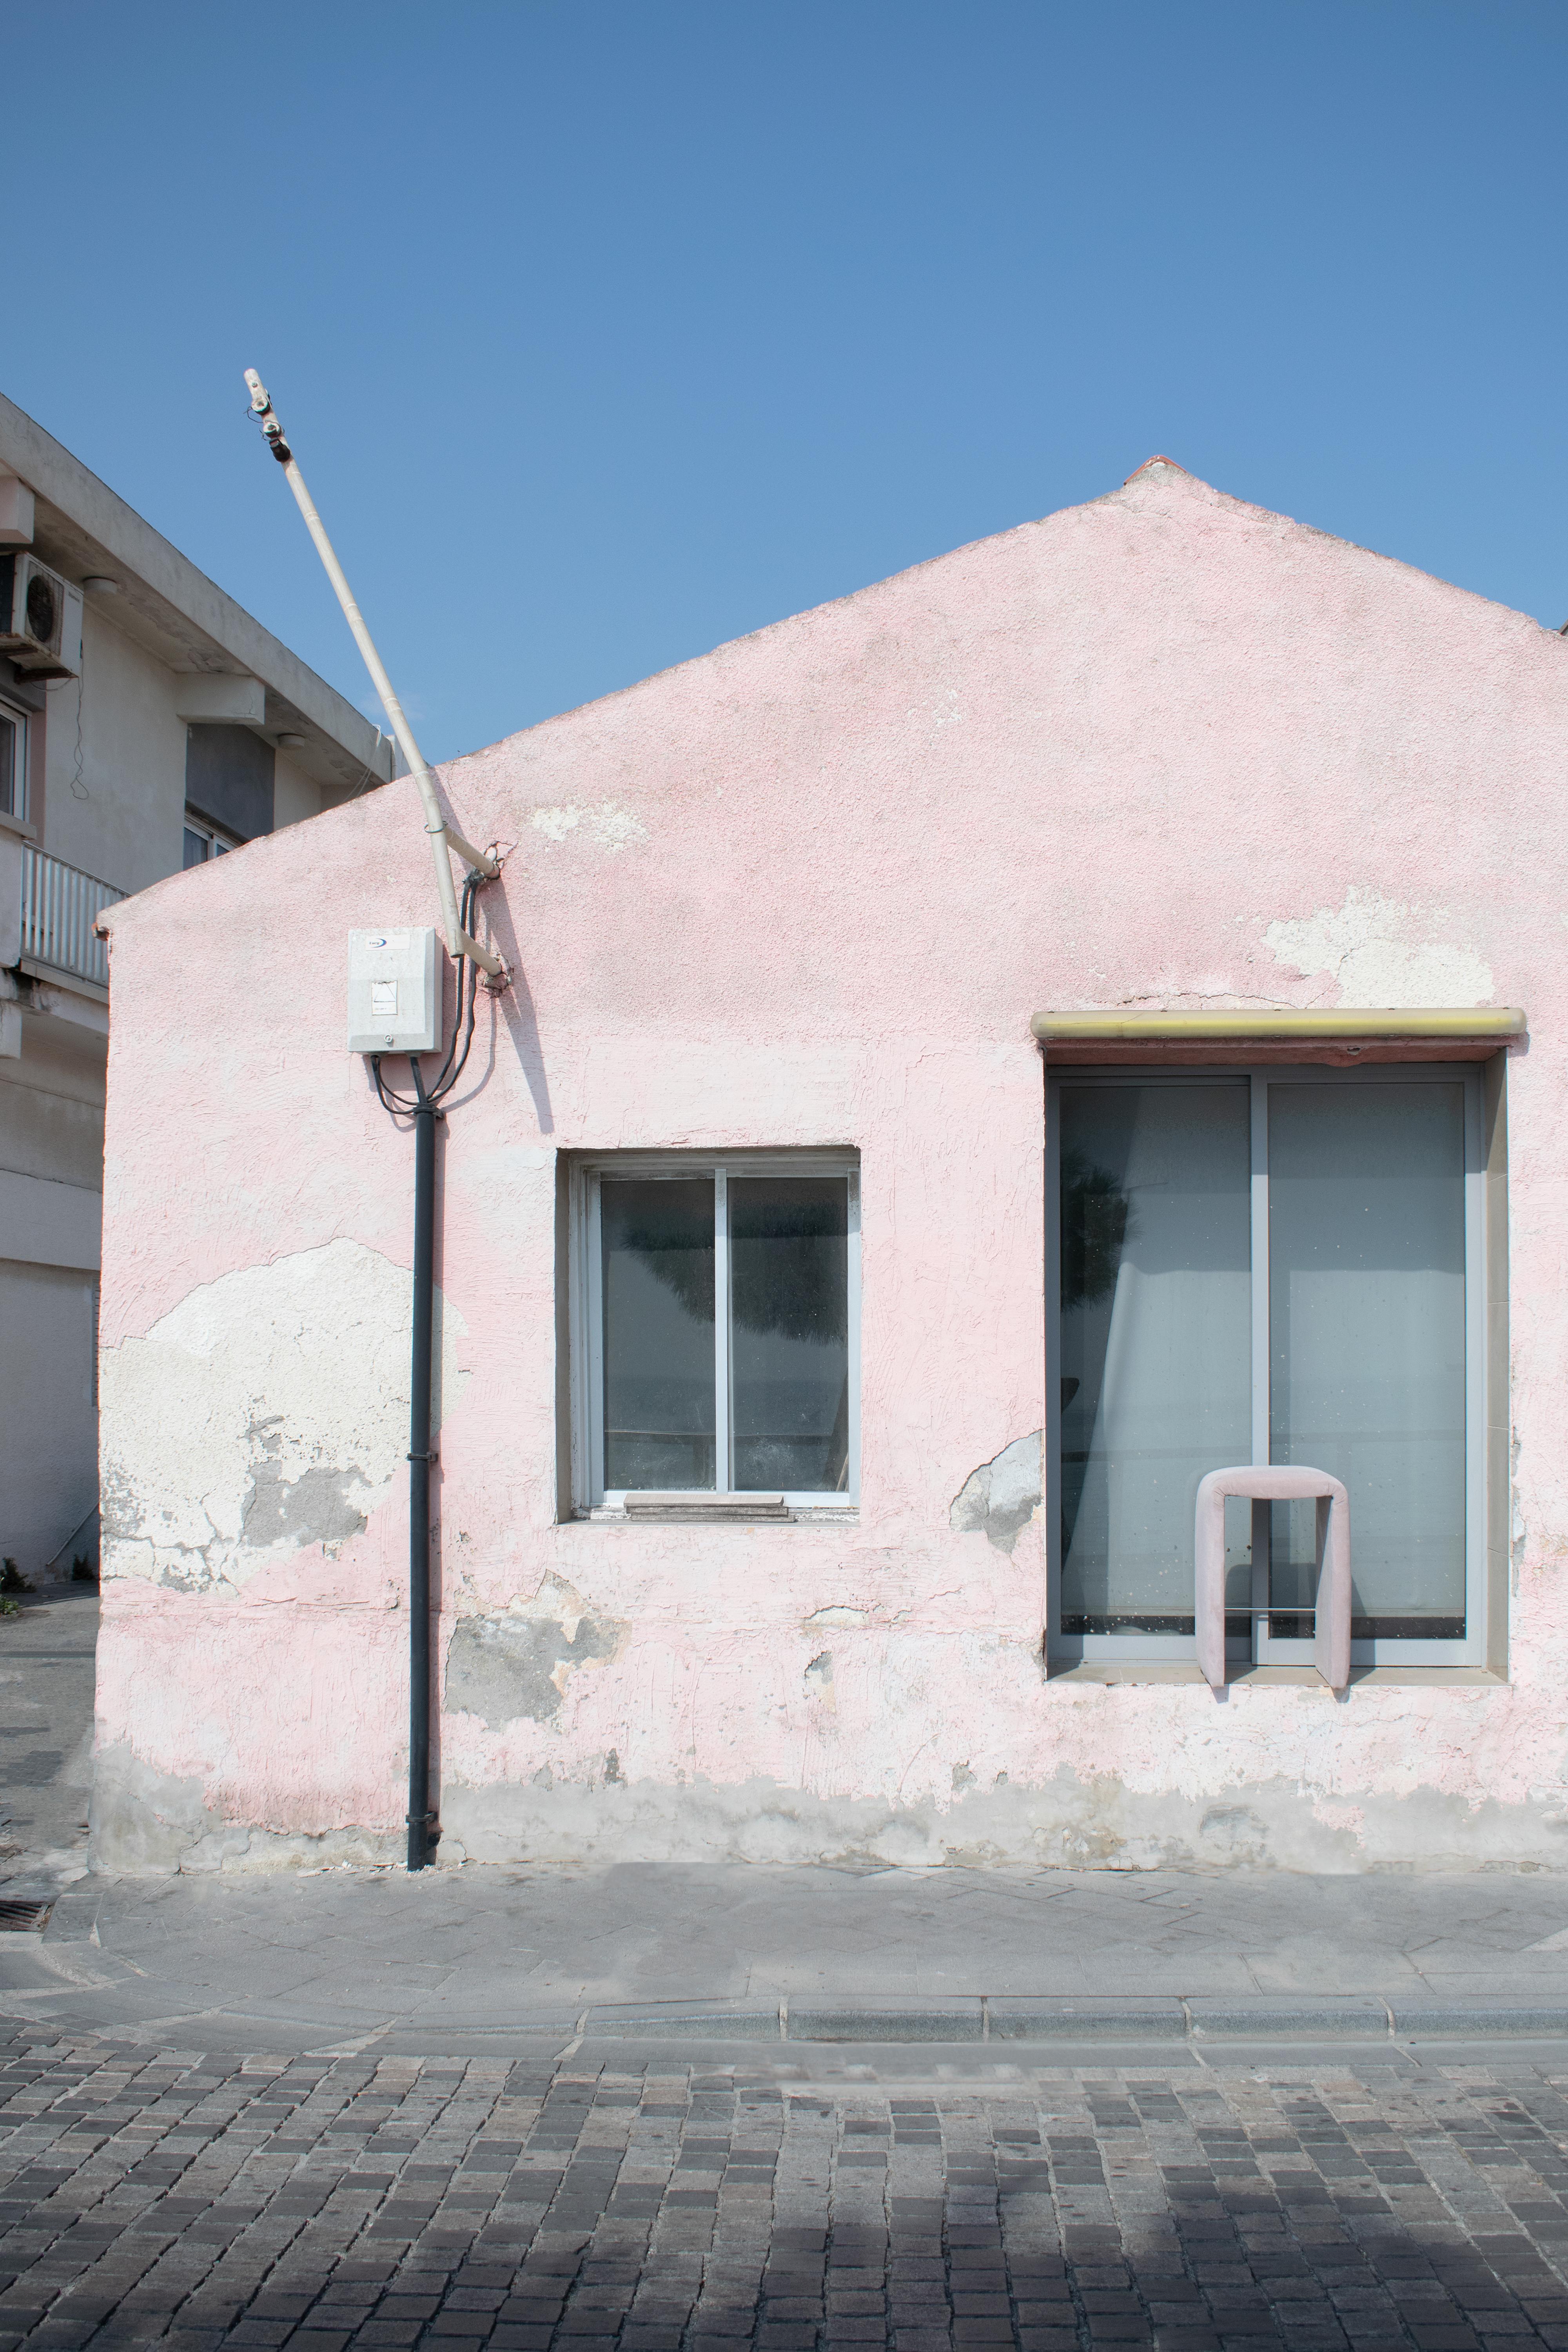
column 203, row 1484
column 605, row 826
column 503, row 1668
column 1372, row 949
column 1000, row 1498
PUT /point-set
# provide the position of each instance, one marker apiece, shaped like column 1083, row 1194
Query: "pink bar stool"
column 1277, row 1483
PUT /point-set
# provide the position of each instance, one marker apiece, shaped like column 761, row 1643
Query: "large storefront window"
column 1276, row 1265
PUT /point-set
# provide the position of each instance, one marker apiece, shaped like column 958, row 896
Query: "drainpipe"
column 422, row 1830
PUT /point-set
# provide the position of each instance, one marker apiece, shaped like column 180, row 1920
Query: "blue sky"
column 607, row 332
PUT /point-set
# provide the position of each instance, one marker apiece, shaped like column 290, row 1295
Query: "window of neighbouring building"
column 716, row 1307
column 204, row 841
column 13, row 761
column 1270, row 1265
column 230, row 777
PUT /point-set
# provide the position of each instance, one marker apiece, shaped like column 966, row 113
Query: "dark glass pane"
column 1366, row 1324
column 657, row 1276
column 195, row 847
column 9, row 732
column 1156, row 1257
column 789, row 1311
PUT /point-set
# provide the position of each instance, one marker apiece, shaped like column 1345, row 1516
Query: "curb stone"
column 1013, row 2017
column 54, row 1968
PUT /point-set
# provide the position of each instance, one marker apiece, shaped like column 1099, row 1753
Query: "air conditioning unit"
column 40, row 617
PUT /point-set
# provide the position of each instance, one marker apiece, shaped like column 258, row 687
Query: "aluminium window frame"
column 1264, row 1649
column 219, row 843
column 20, row 779
column 590, row 1496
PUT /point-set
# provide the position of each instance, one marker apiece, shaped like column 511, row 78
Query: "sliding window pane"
column 657, row 1278
column 789, row 1293
column 1366, row 1215
column 1156, row 1244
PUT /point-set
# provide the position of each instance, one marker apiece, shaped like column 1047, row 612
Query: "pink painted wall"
column 1161, row 749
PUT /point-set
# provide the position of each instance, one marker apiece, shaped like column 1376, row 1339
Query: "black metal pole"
column 419, row 1813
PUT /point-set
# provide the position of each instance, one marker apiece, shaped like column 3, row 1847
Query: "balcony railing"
column 60, row 907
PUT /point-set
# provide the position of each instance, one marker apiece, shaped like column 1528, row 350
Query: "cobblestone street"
column 334, row 2201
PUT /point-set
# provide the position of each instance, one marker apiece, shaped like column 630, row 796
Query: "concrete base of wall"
column 148, row 1823
column 1066, row 1824
column 151, row 1825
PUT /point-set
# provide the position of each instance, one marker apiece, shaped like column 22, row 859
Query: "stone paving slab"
column 652, row 2201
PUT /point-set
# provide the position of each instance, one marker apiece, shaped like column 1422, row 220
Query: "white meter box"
column 394, row 992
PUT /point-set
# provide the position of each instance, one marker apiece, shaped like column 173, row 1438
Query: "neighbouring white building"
column 146, row 723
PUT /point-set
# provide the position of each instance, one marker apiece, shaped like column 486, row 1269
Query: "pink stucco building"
column 784, row 1179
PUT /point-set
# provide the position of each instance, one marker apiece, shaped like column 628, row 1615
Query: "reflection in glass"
column 789, row 1303
column 1366, row 1306
column 658, row 1281
column 1156, row 1253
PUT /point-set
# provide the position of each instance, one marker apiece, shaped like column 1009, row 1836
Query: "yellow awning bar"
column 1152, row 1028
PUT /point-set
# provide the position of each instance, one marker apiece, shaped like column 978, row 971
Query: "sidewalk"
column 461, row 1958
column 468, row 1958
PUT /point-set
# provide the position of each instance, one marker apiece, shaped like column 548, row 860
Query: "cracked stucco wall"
column 1161, row 749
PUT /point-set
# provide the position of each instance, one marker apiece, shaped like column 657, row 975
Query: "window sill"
column 1104, row 1669
column 9, row 824
column 797, row 1515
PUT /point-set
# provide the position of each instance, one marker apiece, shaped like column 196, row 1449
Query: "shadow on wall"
column 515, row 1003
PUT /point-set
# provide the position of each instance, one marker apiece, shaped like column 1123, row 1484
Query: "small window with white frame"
column 1267, row 1267
column 13, row 761
column 715, row 1305
column 205, row 841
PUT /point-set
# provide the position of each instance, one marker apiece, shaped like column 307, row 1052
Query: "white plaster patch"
column 266, row 1414
column 934, row 716
column 605, row 825
column 1001, row 1497
column 1372, row 950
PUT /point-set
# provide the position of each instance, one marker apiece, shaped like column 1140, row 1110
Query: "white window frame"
column 19, row 718
column 1265, row 1650
column 586, row 1315
column 219, row 843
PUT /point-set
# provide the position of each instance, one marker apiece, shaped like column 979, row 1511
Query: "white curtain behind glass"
column 1155, row 1338
column 1366, row 1248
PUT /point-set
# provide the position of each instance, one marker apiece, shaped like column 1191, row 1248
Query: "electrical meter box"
column 394, row 992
